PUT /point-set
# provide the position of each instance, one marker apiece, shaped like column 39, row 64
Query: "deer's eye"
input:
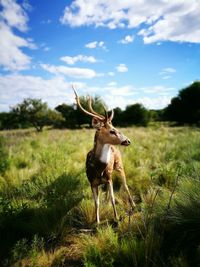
column 112, row 132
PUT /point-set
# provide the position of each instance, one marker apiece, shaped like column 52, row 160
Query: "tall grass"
column 47, row 212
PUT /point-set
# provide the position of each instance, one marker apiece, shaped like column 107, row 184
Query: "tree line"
column 183, row 109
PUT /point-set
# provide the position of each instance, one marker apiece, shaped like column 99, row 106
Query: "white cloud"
column 115, row 90
column 177, row 20
column 96, row 44
column 122, row 101
column 158, row 90
column 78, row 73
column 166, row 77
column 155, row 97
column 148, row 102
column 14, row 88
column 45, row 47
column 56, row 90
column 167, row 73
column 127, row 39
column 12, row 58
column 168, row 70
column 91, row 45
column 112, row 84
column 154, row 103
column 111, row 73
column 122, row 68
column 121, row 96
column 180, row 26
column 72, row 60
column 14, row 15
column 102, row 44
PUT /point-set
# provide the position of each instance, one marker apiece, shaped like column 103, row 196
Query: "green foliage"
column 68, row 114
column 118, row 116
column 74, row 117
column 97, row 104
column 34, row 112
column 8, row 121
column 185, row 108
column 135, row 115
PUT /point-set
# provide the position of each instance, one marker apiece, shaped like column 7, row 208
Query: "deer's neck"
column 102, row 151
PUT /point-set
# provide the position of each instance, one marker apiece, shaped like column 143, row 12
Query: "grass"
column 47, row 212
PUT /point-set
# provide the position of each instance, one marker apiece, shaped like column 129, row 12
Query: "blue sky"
column 124, row 51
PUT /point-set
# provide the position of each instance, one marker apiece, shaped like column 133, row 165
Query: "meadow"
column 47, row 211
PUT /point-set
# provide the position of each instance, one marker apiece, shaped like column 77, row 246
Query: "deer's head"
column 106, row 132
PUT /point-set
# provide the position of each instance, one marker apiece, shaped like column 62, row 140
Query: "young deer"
column 104, row 157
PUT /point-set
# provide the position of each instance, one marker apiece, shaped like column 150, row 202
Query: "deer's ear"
column 96, row 123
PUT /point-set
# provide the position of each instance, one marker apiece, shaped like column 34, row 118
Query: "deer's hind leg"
column 112, row 198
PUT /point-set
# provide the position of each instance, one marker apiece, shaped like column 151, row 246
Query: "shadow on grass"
column 44, row 219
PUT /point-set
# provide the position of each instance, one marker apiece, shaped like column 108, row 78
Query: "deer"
column 104, row 157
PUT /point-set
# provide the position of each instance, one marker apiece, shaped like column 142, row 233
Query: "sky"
column 125, row 51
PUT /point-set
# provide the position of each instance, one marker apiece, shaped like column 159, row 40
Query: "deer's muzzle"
column 126, row 142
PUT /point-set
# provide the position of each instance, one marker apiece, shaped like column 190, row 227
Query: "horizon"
column 125, row 52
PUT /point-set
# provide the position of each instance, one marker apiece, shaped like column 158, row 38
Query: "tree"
column 8, row 121
column 69, row 115
column 74, row 117
column 156, row 114
column 97, row 104
column 54, row 118
column 185, row 108
column 118, row 117
column 135, row 114
column 34, row 112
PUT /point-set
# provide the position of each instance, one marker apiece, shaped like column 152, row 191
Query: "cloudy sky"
column 125, row 51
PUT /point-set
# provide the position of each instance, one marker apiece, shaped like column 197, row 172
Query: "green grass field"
column 47, row 211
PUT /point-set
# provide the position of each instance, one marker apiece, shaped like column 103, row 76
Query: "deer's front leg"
column 120, row 169
column 132, row 203
column 95, row 192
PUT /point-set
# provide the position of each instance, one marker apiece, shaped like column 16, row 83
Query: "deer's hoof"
column 114, row 224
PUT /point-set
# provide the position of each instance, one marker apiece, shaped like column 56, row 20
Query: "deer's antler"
column 91, row 108
column 105, row 111
column 111, row 115
column 93, row 113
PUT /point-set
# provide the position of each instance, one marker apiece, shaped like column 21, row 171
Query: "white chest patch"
column 105, row 153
